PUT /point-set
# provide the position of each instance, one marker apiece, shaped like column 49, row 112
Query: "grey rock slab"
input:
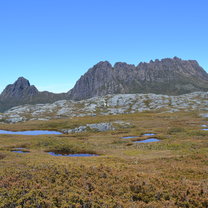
column 204, row 115
column 109, row 105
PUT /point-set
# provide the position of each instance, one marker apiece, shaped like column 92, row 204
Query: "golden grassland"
column 169, row 173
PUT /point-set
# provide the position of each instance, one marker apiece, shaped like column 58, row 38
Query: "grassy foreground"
column 169, row 173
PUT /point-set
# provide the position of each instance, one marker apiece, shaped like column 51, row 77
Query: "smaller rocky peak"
column 103, row 64
column 167, row 60
column 176, row 58
column 21, row 83
column 123, row 65
column 194, row 62
column 21, row 87
column 120, row 64
column 157, row 61
column 22, row 79
column 142, row 64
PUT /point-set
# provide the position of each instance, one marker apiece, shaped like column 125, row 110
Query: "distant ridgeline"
column 167, row 76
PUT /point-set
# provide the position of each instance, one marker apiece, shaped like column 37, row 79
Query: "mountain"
column 167, row 76
column 20, row 89
column 21, row 92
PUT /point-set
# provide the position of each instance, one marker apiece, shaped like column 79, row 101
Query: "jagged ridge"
column 168, row 76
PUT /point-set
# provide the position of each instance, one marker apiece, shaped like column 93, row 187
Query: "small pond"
column 148, row 134
column 203, row 125
column 35, row 132
column 148, row 140
column 129, row 137
column 19, row 151
column 133, row 137
column 19, row 148
column 72, row 155
column 205, row 129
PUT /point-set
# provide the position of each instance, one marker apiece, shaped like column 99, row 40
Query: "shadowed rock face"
column 21, row 92
column 166, row 76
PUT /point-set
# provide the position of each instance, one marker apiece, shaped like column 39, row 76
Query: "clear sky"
column 53, row 42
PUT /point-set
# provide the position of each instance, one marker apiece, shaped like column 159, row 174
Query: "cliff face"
column 166, row 76
column 21, row 92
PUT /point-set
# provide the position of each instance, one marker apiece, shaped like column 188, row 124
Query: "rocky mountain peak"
column 21, row 92
column 170, row 76
column 22, row 83
column 176, row 58
column 103, row 64
column 101, row 67
column 19, row 89
column 123, row 66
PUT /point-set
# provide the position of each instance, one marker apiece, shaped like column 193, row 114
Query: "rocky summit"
column 21, row 92
column 20, row 89
column 167, row 76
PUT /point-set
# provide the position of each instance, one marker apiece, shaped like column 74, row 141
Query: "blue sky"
column 53, row 42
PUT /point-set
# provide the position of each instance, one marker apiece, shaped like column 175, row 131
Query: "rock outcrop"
column 168, row 76
column 108, row 105
column 100, row 127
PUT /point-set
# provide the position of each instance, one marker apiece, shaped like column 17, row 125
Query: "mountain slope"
column 168, row 76
column 21, row 92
